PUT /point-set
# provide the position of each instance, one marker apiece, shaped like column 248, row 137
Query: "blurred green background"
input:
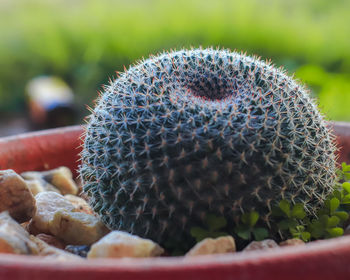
column 85, row 41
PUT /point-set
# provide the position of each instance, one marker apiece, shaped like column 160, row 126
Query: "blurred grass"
column 85, row 41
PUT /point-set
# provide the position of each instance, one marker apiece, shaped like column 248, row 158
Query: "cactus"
column 201, row 131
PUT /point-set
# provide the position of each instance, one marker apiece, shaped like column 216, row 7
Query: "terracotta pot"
column 327, row 259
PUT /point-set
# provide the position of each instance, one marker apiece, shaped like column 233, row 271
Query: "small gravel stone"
column 48, row 203
column 292, row 242
column 51, row 252
column 81, row 250
column 38, row 183
column 25, row 225
column 62, row 179
column 51, row 240
column 13, row 238
column 80, row 204
column 59, row 179
column 35, row 186
column 261, row 245
column 118, row 244
column 15, row 196
column 208, row 246
column 30, row 227
column 77, row 228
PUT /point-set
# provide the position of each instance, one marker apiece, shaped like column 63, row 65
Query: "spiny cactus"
column 202, row 131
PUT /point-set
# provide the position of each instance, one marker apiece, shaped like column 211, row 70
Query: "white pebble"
column 118, row 244
column 48, row 203
column 209, row 246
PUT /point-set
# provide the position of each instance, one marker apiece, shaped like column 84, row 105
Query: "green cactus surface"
column 192, row 132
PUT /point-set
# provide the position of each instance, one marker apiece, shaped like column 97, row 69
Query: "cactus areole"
column 192, row 132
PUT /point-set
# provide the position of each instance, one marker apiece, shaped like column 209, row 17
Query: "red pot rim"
column 325, row 259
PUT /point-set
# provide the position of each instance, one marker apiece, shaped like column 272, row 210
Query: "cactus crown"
column 195, row 131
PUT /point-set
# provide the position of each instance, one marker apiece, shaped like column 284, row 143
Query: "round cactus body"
column 193, row 132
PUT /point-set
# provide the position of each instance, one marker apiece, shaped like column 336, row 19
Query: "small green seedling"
column 325, row 227
column 343, row 174
column 331, row 218
column 292, row 219
column 247, row 229
column 214, row 225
